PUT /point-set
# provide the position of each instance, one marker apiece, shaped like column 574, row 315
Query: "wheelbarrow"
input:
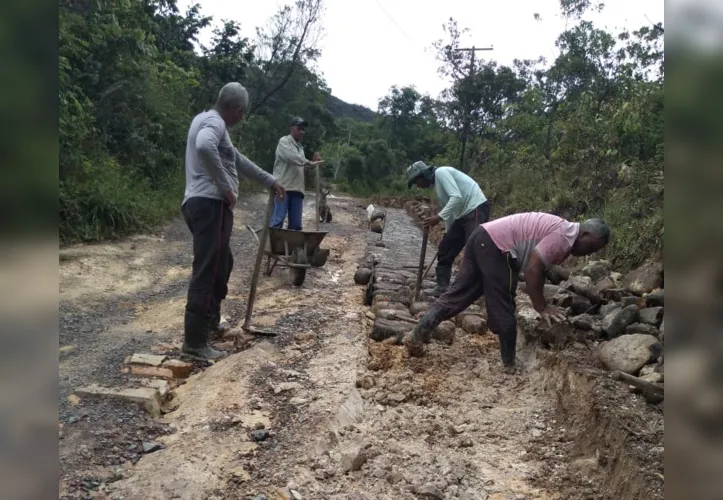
column 297, row 250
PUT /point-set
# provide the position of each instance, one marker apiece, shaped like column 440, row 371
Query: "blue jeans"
column 293, row 205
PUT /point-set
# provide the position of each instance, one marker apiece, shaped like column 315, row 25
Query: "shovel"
column 246, row 327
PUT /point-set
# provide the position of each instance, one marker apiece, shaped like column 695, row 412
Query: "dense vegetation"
column 580, row 136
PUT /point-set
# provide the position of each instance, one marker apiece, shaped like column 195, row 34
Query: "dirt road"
column 320, row 412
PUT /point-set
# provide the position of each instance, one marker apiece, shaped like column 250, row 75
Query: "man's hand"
column 230, row 198
column 552, row 314
column 431, row 221
column 279, row 190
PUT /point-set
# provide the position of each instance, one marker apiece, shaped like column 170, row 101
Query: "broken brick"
column 147, row 359
column 152, row 371
column 180, row 369
column 149, row 397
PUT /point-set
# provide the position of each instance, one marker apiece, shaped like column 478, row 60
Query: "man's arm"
column 207, row 141
column 550, row 250
column 446, row 182
column 290, row 153
column 250, row 170
column 535, row 280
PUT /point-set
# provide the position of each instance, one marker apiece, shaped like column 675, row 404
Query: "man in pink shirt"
column 494, row 256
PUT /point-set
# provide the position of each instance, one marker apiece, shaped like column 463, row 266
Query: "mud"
column 346, row 417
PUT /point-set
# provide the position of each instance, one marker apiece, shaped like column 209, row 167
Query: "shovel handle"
column 422, row 256
column 259, row 259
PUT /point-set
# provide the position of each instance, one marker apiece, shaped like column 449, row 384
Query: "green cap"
column 415, row 170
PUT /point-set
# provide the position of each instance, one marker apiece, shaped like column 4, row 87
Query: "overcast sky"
column 370, row 45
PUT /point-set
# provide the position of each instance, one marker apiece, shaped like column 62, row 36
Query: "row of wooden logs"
column 389, row 292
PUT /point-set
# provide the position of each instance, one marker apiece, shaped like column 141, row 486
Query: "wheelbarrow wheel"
column 298, row 273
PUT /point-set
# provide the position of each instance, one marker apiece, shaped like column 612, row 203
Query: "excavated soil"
column 322, row 411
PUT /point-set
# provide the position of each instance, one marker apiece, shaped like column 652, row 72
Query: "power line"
column 401, row 30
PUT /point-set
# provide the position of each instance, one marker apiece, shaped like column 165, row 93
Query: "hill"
column 341, row 109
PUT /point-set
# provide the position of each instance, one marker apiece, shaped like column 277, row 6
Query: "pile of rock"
column 390, row 292
column 621, row 316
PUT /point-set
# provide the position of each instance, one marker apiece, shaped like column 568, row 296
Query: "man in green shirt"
column 289, row 171
column 465, row 207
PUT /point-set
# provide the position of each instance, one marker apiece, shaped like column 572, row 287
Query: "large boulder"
column 651, row 316
column 608, row 308
column 642, row 328
column 596, row 270
column 605, row 284
column 629, row 353
column 644, row 279
column 614, row 323
column 583, row 322
column 655, row 299
column 580, row 305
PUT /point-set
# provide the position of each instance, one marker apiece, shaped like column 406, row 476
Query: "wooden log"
column 386, row 328
column 362, row 276
column 653, row 393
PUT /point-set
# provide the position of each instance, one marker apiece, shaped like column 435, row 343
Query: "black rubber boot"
column 217, row 327
column 422, row 333
column 444, row 276
column 195, row 344
column 508, row 342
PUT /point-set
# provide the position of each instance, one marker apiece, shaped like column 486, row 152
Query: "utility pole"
column 466, row 118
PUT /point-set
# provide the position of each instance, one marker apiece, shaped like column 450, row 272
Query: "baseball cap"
column 415, row 170
column 299, row 122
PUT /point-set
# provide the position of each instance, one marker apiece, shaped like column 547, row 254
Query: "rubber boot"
column 195, row 344
column 508, row 342
column 444, row 276
column 217, row 327
column 421, row 334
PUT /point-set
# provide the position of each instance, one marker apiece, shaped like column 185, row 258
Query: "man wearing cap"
column 465, row 207
column 213, row 165
column 494, row 256
column 289, row 170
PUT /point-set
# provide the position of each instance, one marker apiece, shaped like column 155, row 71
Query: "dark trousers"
column 454, row 240
column 487, row 271
column 210, row 222
column 293, row 205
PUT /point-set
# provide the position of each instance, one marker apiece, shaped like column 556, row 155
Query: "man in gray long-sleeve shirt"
column 213, row 165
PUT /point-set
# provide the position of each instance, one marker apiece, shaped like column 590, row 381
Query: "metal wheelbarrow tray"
column 297, row 250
